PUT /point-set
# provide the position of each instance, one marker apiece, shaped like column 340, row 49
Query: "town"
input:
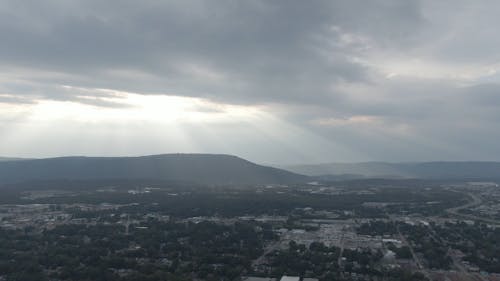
column 352, row 230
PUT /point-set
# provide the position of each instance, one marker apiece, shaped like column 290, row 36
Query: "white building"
column 250, row 278
column 290, row 278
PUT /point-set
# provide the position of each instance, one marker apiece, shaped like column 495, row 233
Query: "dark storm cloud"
column 244, row 52
column 483, row 95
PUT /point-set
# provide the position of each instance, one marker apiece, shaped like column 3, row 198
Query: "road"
column 476, row 201
column 405, row 242
column 269, row 249
column 341, row 252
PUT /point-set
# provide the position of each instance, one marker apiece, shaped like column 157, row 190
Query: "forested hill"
column 197, row 168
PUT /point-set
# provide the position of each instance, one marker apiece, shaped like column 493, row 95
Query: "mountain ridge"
column 422, row 170
column 186, row 167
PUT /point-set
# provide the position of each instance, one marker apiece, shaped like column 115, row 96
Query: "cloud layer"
column 347, row 80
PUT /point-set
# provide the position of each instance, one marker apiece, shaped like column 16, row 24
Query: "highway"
column 476, row 201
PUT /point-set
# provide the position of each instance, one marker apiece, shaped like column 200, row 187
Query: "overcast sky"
column 271, row 81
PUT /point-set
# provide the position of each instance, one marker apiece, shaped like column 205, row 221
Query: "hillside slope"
column 198, row 168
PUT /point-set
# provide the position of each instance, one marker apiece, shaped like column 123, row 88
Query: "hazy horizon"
column 275, row 164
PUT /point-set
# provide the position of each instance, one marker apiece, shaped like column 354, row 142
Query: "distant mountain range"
column 196, row 168
column 422, row 170
column 227, row 169
column 11, row 159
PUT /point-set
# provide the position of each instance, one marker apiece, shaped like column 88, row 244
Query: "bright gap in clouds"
column 154, row 124
column 135, row 107
column 133, row 124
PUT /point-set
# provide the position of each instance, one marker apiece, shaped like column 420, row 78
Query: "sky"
column 282, row 81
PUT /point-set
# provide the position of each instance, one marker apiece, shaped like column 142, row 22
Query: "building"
column 290, row 278
column 251, row 278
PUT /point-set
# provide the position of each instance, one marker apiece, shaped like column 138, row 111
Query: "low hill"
column 196, row 168
column 422, row 170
